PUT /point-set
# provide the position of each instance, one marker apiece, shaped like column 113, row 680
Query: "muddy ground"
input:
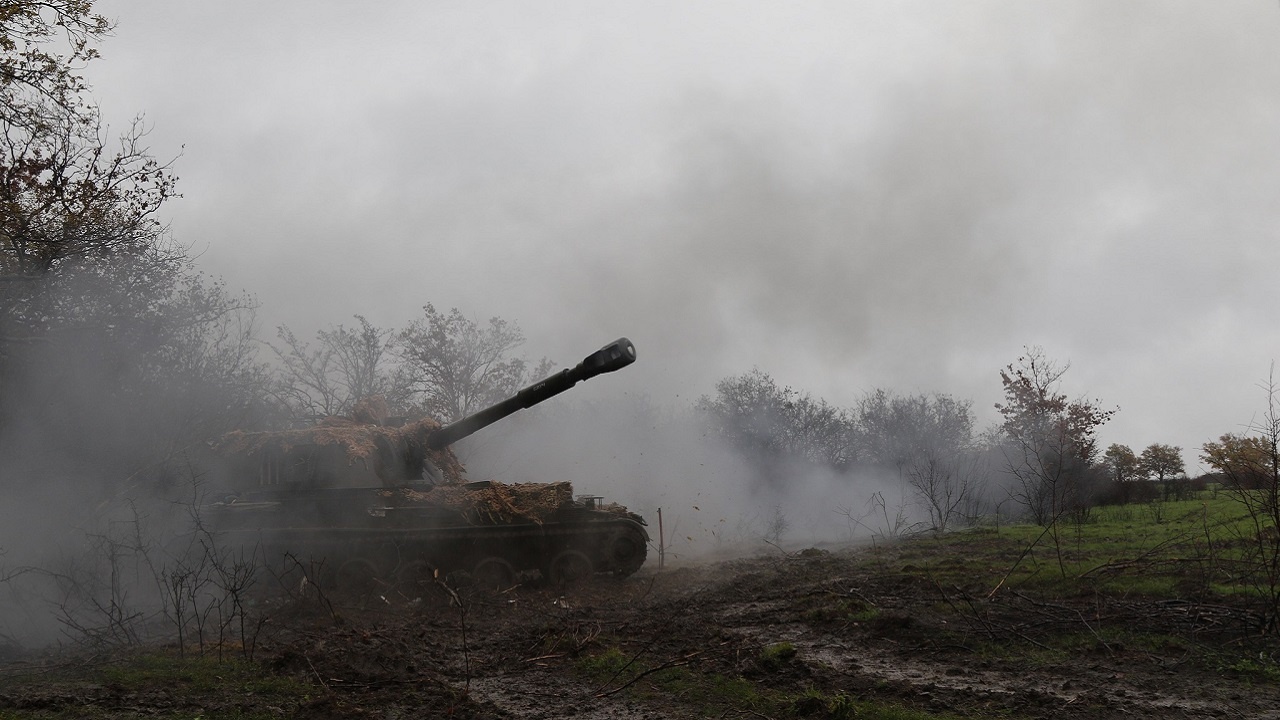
column 773, row 636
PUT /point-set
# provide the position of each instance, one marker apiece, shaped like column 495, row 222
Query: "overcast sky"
column 846, row 195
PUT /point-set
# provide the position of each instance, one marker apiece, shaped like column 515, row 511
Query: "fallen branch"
column 673, row 663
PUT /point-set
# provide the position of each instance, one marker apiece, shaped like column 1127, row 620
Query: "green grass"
column 1195, row 550
column 713, row 694
column 1065, row 646
column 613, row 669
column 185, row 681
column 841, row 706
column 199, row 674
column 1199, row 550
column 773, row 657
column 821, row 610
column 89, row 712
column 606, row 665
column 1260, row 669
column 1156, row 550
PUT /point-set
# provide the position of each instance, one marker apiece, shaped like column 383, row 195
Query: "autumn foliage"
column 1052, row 440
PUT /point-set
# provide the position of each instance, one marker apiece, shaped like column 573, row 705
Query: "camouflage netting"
column 371, row 445
column 492, row 503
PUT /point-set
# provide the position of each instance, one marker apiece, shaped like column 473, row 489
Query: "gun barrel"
column 614, row 356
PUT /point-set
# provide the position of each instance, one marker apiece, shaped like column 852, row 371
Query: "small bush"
column 776, row 655
column 608, row 663
column 842, row 707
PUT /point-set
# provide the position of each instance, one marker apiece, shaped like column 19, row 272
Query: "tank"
column 387, row 504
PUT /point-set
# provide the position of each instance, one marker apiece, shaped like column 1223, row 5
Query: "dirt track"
column 854, row 631
column 524, row 650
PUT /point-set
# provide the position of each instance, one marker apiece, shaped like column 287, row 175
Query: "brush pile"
column 395, row 454
column 491, row 503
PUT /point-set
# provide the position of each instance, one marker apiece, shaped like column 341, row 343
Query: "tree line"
column 1040, row 460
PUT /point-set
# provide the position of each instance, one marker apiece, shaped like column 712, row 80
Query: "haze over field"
column 844, row 198
column 848, row 196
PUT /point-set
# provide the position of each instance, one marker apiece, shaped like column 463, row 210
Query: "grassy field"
column 1127, row 613
column 1180, row 576
column 1147, row 587
column 1197, row 547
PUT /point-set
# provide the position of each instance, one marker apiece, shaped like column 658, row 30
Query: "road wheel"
column 415, row 578
column 626, row 555
column 494, row 573
column 570, row 567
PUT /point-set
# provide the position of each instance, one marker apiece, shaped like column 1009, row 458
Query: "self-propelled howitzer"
column 387, row 505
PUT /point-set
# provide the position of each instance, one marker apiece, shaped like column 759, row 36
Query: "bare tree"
column 360, row 355
column 305, row 378
column 876, row 518
column 456, row 366
column 1051, row 440
column 928, row 441
column 776, row 528
column 948, row 486
column 346, row 366
column 1050, row 446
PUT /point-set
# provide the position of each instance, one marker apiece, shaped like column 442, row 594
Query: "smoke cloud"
column 847, row 196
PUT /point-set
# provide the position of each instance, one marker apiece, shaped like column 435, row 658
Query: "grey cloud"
column 849, row 196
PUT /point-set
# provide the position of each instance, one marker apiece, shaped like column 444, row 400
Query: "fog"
column 848, row 196
column 878, row 195
column 714, row 501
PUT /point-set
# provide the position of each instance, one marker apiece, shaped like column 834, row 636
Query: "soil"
column 851, row 627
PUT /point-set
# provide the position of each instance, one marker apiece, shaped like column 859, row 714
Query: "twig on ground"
column 670, row 664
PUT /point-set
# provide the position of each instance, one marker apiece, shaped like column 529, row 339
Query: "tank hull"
column 359, row 540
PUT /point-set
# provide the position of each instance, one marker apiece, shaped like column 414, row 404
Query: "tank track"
column 356, row 557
